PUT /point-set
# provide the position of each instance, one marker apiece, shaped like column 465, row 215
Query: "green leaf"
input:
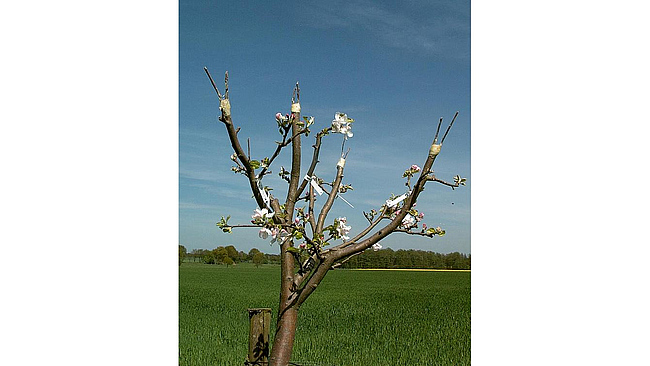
column 293, row 250
column 255, row 164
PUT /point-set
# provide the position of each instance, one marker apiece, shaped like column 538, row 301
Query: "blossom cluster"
column 432, row 231
column 342, row 229
column 411, row 171
column 309, row 120
column 264, row 217
column 282, row 120
column 277, row 235
column 411, row 219
column 342, row 124
column 261, row 216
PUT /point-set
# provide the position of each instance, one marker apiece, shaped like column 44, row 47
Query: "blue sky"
column 396, row 68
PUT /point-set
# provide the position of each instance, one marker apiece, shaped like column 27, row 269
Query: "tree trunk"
column 284, row 337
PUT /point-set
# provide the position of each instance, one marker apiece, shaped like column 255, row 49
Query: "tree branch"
column 292, row 193
column 351, row 248
column 282, row 144
column 310, row 212
column 314, row 159
column 212, row 81
column 330, row 200
column 394, row 224
column 360, row 235
column 452, row 185
column 449, row 128
column 317, row 276
column 226, row 118
column 286, row 257
column 420, row 233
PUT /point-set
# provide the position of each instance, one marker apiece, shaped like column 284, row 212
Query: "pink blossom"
column 415, row 168
column 278, row 116
column 421, row 215
column 284, row 235
column 302, row 246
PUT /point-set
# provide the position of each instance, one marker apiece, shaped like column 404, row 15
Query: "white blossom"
column 342, row 228
column 408, row 221
column 264, row 233
column 261, row 214
column 280, row 236
column 376, row 247
column 340, row 124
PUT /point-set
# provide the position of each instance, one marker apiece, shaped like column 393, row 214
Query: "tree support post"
column 258, row 336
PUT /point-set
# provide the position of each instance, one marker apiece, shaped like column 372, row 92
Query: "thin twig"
column 449, row 128
column 452, row 185
column 314, row 159
column 430, row 235
column 226, row 82
column 435, row 138
column 212, row 81
column 282, row 144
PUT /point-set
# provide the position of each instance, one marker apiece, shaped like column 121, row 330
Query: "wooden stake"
column 258, row 336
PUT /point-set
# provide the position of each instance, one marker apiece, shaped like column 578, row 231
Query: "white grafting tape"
column 314, row 184
column 341, row 163
column 435, row 150
column 394, row 202
column 225, row 106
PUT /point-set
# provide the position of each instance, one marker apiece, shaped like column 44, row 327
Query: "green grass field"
column 353, row 318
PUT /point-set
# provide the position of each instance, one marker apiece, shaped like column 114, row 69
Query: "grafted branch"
column 330, row 199
column 314, row 159
column 226, row 118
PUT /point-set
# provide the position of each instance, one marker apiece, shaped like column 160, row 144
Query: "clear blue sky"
column 395, row 67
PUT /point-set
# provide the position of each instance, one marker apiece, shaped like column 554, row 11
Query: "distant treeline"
column 384, row 258
column 226, row 255
column 388, row 258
